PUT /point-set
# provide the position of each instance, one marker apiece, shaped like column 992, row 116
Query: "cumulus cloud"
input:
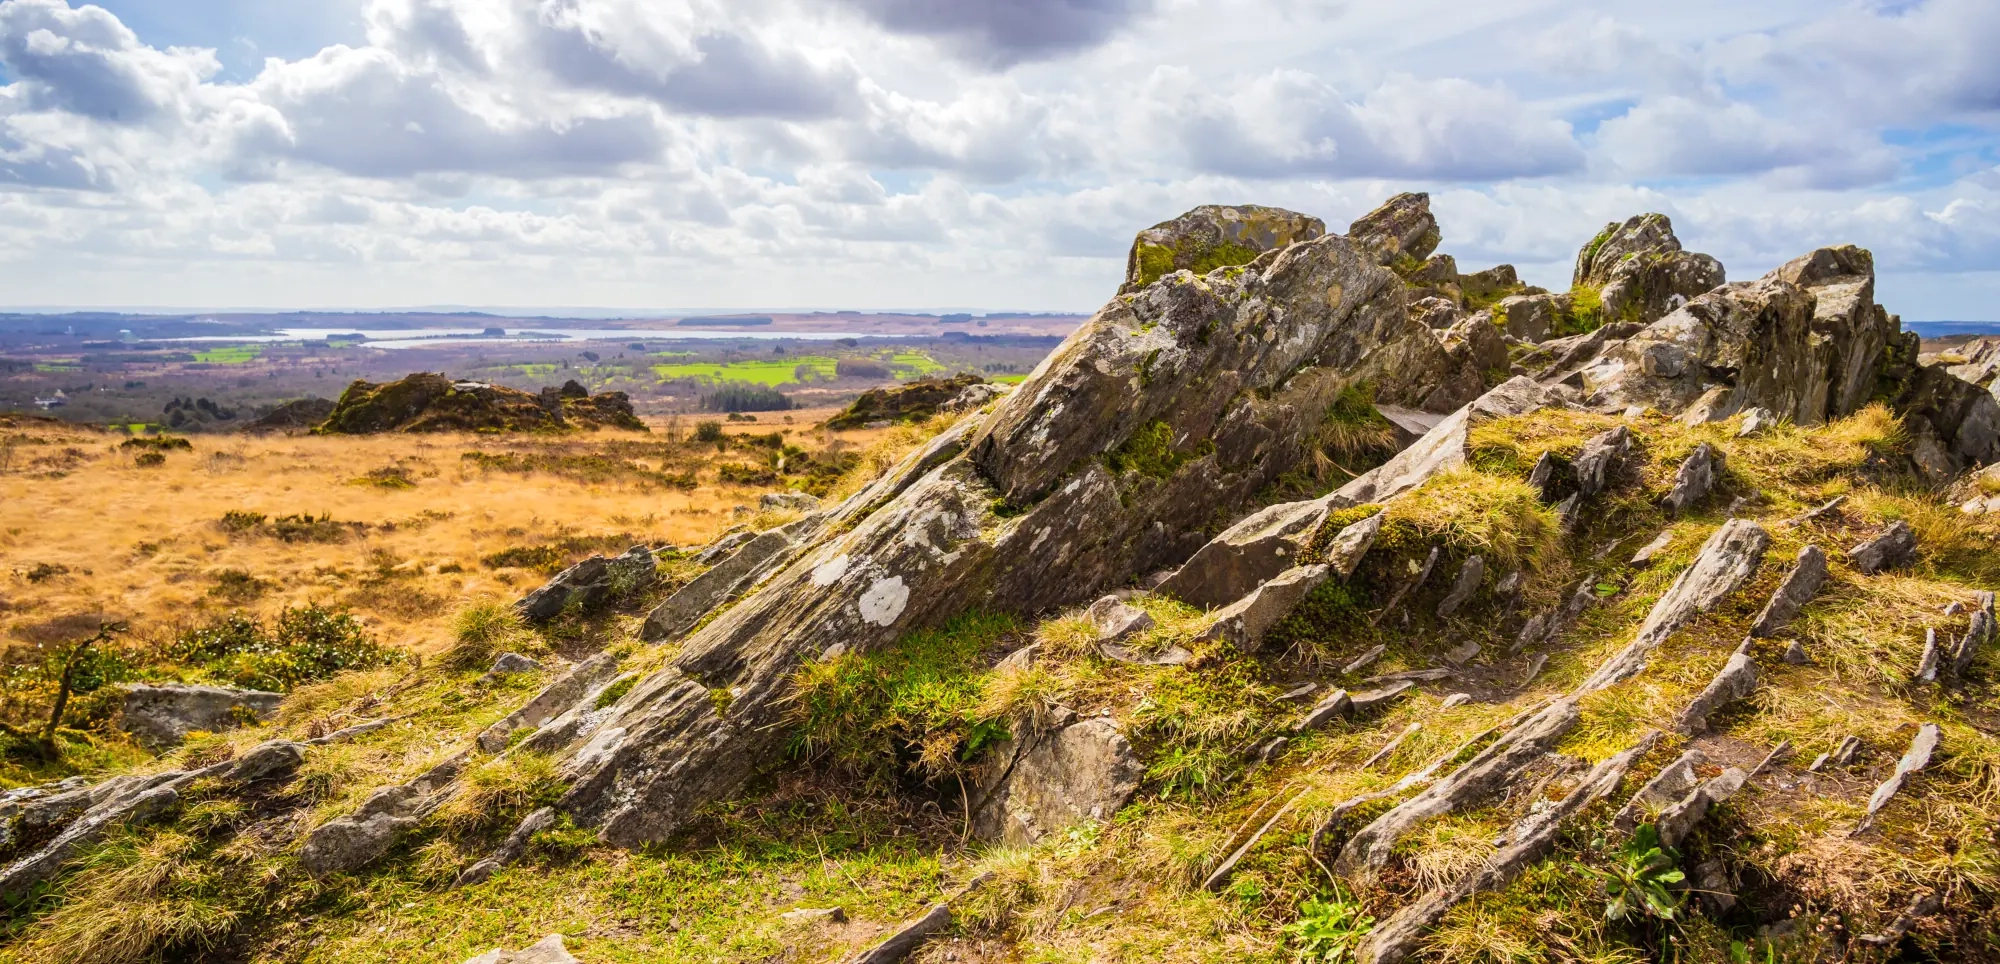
column 85, row 61
column 1007, row 32
column 1674, row 135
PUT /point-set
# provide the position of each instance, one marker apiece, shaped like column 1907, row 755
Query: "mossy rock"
column 1214, row 236
column 903, row 403
column 431, row 402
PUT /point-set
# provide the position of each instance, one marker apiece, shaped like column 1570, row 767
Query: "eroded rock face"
column 1055, row 779
column 1245, row 555
column 1214, row 236
column 1640, row 271
column 165, row 714
column 589, row 584
column 1401, row 230
column 1173, row 404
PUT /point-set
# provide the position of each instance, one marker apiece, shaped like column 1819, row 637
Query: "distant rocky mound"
column 297, row 415
column 903, row 403
column 430, row 402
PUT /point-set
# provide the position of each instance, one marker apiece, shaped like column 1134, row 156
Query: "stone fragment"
column 548, row 950
column 1646, row 553
column 1471, row 574
column 589, row 584
column 558, row 695
column 1598, row 464
column 1915, row 758
column 1249, row 553
column 1049, row 780
column 1755, row 422
column 788, row 501
column 1243, row 623
column 1422, row 675
column 1978, row 633
column 1711, row 882
column 727, row 543
column 1455, row 700
column 1171, row 655
column 1778, row 754
column 1361, row 662
column 1695, row 479
column 1812, row 515
column 164, row 714
column 721, row 583
column 1371, row 700
column 1839, row 756
column 1337, row 705
column 1553, row 478
column 1801, row 585
column 1726, row 561
column 509, row 851
column 1892, row 548
column 1795, row 654
column 1921, row 906
column 1462, row 653
column 1344, row 552
column 812, row 915
column 1735, row 681
column 1675, row 781
column 1679, row 819
column 906, row 939
column 507, row 663
column 1927, row 664
column 1115, row 619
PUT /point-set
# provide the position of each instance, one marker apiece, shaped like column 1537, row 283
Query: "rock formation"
column 919, row 399
column 430, row 402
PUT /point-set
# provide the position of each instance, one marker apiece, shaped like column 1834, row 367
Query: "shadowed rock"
column 164, row 714
column 1801, row 585
column 589, row 584
column 1402, row 230
column 1048, row 780
column 1892, row 548
column 1694, row 480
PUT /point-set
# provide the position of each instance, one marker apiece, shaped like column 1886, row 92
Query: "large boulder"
column 589, row 584
column 1640, row 272
column 1174, row 405
column 165, row 714
column 1855, row 330
column 1046, row 780
column 1214, row 236
column 1401, row 232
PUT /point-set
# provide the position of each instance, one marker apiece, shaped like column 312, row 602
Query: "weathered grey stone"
column 553, row 698
column 507, row 663
column 1840, row 756
column 1471, row 574
column 362, row 837
column 1462, row 653
column 972, row 398
column 721, row 583
column 1978, row 633
column 1640, row 271
column 1115, row 619
column 1244, row 622
column 1361, row 662
column 1892, row 548
column 1694, row 480
column 1726, row 561
column 1915, row 758
column 1600, row 461
column 1529, row 840
column 1214, row 236
column 1646, row 553
column 1337, row 705
column 1734, row 681
column 727, row 543
column 509, row 851
column 265, row 760
column 1444, row 446
column 1679, row 819
column 1532, row 317
column 1368, row 701
column 589, row 584
column 1051, row 780
column 1345, row 551
column 792, row 501
column 1401, row 231
column 1800, row 587
column 548, row 950
column 1674, row 781
column 1795, row 654
column 1928, row 663
column 164, row 714
column 1455, row 700
column 1755, row 422
column 1247, row 554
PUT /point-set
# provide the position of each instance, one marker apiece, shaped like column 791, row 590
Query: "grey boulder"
column 165, row 714
column 589, row 584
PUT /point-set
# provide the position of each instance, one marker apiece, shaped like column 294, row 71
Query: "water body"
column 435, row 337
column 1940, row 329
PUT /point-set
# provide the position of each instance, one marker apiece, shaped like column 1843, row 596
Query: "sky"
column 957, row 154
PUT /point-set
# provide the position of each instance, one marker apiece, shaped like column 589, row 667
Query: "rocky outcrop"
column 1247, row 554
column 1244, row 622
column 293, row 416
column 910, row 402
column 1443, row 447
column 362, row 837
column 1960, row 418
column 1214, row 236
column 1892, row 548
column 1401, row 231
column 724, row 581
column 1047, row 780
column 548, row 950
column 584, row 587
column 1726, row 561
column 430, row 402
column 1640, row 272
column 1174, row 404
column 164, row 714
column 564, row 692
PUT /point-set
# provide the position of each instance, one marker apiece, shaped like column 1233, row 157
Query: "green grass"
column 912, row 364
column 1007, row 379
column 229, row 355
column 768, row 372
column 58, row 367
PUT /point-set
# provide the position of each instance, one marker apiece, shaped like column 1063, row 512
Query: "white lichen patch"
column 884, row 601
column 829, row 572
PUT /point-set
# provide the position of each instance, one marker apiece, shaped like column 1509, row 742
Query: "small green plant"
column 158, row 443
column 387, row 477
column 1637, row 875
column 149, row 460
column 303, row 644
column 478, row 632
column 617, row 690
column 1328, row 931
column 238, row 585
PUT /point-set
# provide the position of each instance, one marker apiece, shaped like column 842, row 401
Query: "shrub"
column 388, row 477
column 303, row 644
column 148, row 460
column 237, row 585
column 306, row 527
column 157, row 443
column 744, row 397
column 736, row 473
column 708, row 430
column 237, row 520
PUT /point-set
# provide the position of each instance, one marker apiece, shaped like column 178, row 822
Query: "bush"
column 861, row 368
column 745, row 397
column 708, row 431
column 148, row 460
column 157, row 443
column 306, row 527
column 237, row 520
column 736, row 473
column 239, row 586
column 304, row 644
column 478, row 632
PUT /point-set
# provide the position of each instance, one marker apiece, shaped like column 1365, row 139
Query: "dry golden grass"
column 146, row 544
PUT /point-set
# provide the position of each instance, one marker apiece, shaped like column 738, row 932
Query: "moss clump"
column 919, row 704
column 1155, row 262
column 1585, row 314
column 1150, row 451
column 915, row 401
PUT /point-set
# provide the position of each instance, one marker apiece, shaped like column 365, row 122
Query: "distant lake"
column 433, row 337
column 1939, row 329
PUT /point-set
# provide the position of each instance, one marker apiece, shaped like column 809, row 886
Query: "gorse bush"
column 303, row 644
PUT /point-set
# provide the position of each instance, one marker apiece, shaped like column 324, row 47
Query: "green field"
column 916, row 363
column 770, row 372
column 58, row 367
column 231, row 355
column 1007, row 379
